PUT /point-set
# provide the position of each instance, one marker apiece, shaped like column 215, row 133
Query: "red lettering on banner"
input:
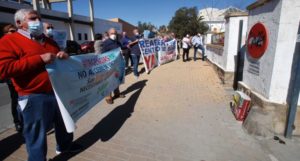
column 150, row 61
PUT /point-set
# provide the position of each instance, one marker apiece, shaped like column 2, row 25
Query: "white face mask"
column 35, row 28
column 49, row 32
column 136, row 34
column 113, row 37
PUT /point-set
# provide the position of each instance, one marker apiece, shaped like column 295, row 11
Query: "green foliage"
column 186, row 21
column 145, row 26
column 162, row 29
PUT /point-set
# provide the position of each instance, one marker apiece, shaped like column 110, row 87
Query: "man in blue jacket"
column 135, row 51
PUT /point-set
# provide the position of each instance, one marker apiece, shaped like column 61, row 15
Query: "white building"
column 214, row 17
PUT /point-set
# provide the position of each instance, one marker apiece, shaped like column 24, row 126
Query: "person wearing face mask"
column 135, row 51
column 110, row 44
column 23, row 56
column 197, row 42
column 186, row 45
column 48, row 29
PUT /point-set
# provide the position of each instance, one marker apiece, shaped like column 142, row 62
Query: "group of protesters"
column 196, row 42
column 129, row 49
column 26, row 48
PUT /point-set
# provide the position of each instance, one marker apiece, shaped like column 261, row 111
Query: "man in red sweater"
column 23, row 56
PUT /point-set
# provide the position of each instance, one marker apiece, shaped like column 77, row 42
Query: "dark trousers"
column 185, row 54
column 40, row 112
column 178, row 51
column 127, row 57
column 136, row 60
column 202, row 51
column 14, row 103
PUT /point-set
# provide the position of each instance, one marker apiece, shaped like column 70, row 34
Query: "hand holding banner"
column 82, row 81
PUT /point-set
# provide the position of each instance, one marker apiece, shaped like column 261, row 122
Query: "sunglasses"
column 12, row 31
column 49, row 27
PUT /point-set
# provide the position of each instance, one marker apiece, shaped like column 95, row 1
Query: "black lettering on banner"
column 81, row 74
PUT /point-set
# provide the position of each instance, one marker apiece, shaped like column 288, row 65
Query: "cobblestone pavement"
column 179, row 112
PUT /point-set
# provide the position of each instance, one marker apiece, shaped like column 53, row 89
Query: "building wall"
column 231, row 41
column 216, row 27
column 101, row 26
column 224, row 57
column 215, row 53
column 260, row 82
column 82, row 33
column 282, row 22
column 127, row 27
column 287, row 35
column 7, row 18
column 59, row 25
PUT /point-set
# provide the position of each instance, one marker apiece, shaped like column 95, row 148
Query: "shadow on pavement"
column 109, row 125
column 10, row 145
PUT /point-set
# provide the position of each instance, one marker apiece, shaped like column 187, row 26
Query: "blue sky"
column 158, row 12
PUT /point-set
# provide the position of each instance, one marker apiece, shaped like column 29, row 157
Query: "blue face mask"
column 35, row 28
column 49, row 32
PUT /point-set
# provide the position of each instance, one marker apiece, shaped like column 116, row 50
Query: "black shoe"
column 74, row 148
column 119, row 96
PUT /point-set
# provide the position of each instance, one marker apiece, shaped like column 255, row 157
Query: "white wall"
column 260, row 82
column 216, row 56
column 220, row 26
column 59, row 25
column 226, row 59
column 231, row 40
column 82, row 29
column 289, row 23
column 274, row 66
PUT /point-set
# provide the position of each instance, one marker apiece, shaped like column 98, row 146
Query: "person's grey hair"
column 20, row 14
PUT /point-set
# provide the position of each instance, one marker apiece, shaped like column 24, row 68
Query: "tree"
column 145, row 26
column 186, row 21
column 163, row 29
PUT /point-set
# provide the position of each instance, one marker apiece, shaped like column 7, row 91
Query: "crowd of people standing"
column 27, row 48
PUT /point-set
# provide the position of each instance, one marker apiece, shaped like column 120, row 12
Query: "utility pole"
column 91, row 7
column 70, row 15
column 294, row 90
column 36, row 5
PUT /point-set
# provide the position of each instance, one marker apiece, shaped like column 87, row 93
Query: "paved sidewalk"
column 179, row 112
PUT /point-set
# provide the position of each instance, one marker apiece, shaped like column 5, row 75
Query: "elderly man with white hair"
column 23, row 56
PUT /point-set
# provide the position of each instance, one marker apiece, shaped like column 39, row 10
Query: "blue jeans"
column 202, row 51
column 40, row 112
column 136, row 60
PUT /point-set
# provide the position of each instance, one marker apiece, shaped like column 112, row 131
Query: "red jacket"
column 20, row 60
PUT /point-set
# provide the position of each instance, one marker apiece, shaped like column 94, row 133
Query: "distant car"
column 87, row 47
column 73, row 48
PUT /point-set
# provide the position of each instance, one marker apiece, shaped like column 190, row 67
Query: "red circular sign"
column 258, row 40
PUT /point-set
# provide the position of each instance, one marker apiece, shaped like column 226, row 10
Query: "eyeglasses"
column 49, row 27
